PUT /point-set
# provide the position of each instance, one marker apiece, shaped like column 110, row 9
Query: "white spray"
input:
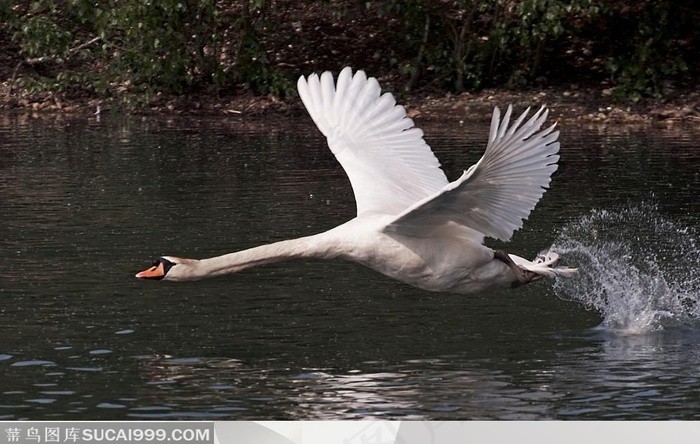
column 640, row 270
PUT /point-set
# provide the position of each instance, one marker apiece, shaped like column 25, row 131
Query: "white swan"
column 412, row 224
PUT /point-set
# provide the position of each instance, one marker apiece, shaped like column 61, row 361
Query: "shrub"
column 147, row 46
column 642, row 47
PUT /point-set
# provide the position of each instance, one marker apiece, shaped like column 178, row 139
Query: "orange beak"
column 155, row 272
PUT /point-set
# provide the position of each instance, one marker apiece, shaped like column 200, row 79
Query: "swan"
column 412, row 224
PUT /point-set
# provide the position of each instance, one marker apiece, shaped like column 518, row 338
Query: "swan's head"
column 160, row 268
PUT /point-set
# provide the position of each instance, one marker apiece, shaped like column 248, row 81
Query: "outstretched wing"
column 389, row 165
column 496, row 194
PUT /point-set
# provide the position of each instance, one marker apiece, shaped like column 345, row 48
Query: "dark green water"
column 85, row 204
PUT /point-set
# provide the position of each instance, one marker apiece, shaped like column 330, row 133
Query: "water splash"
column 640, row 270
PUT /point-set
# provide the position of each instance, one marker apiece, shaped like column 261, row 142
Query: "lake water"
column 85, row 204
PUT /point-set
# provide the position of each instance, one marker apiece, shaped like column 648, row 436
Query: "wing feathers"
column 389, row 165
column 495, row 195
column 393, row 171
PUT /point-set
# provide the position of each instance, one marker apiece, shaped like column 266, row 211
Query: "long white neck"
column 317, row 246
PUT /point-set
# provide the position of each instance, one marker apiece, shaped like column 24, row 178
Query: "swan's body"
column 412, row 224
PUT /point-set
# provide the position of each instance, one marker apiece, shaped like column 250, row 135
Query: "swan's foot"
column 550, row 259
column 524, row 276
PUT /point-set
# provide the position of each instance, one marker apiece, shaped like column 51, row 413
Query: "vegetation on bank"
column 130, row 51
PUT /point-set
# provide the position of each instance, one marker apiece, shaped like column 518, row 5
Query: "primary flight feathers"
column 393, row 171
column 386, row 159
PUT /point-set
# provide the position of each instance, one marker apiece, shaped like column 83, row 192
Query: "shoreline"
column 570, row 105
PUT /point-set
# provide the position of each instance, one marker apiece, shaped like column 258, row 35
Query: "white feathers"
column 389, row 165
column 500, row 190
column 393, row 171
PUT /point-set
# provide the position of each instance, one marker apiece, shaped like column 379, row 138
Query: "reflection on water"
column 605, row 377
column 644, row 376
column 85, row 204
